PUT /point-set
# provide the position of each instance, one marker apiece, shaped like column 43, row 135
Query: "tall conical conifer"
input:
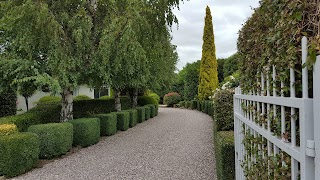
column 208, row 79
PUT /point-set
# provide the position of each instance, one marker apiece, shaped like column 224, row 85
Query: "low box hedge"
column 223, row 110
column 152, row 110
column 147, row 111
column 141, row 114
column 19, row 153
column 194, row 104
column 225, row 155
column 86, row 131
column 133, row 120
column 157, row 110
column 108, row 123
column 199, row 105
column 188, row 104
column 55, row 138
column 123, row 120
column 182, row 104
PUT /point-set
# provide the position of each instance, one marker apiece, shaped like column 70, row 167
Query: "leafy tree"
column 208, row 80
column 191, row 80
column 220, row 69
column 55, row 41
column 231, row 65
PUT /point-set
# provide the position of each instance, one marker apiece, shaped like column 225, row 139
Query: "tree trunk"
column 66, row 113
column 135, row 98
column 117, row 100
column 27, row 102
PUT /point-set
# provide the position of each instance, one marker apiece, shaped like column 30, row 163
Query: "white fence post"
column 316, row 112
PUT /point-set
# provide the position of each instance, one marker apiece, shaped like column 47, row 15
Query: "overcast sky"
column 228, row 17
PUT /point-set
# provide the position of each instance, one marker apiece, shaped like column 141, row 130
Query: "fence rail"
column 271, row 128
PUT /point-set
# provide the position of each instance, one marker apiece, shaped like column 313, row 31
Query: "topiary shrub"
column 81, row 97
column 133, row 120
column 152, row 110
column 141, row 114
column 148, row 112
column 8, row 103
column 155, row 96
column 105, row 97
column 19, row 153
column 182, row 104
column 144, row 100
column 225, row 157
column 49, row 99
column 171, row 99
column 194, row 104
column 223, row 110
column 108, row 123
column 8, row 129
column 123, row 120
column 86, row 131
column 55, row 138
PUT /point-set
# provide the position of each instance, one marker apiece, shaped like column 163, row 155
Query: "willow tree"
column 208, row 79
column 55, row 41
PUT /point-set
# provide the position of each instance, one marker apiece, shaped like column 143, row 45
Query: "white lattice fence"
column 276, row 137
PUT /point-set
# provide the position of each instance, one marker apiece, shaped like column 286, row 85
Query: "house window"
column 102, row 91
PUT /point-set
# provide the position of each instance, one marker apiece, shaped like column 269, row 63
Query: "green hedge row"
column 123, row 120
column 19, row 153
column 141, row 114
column 133, row 119
column 55, row 138
column 225, row 155
column 108, row 123
column 86, row 131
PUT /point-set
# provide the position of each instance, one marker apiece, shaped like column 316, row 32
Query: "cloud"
column 228, row 17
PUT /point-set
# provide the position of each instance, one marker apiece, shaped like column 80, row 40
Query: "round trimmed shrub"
column 123, row 120
column 19, row 153
column 86, row 131
column 7, row 129
column 105, row 97
column 81, row 97
column 55, row 138
column 49, row 99
column 155, row 96
column 141, row 114
column 133, row 117
column 223, row 110
column 108, row 124
column 144, row 100
column 171, row 99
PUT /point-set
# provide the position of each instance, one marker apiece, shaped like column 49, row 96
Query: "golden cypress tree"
column 208, row 79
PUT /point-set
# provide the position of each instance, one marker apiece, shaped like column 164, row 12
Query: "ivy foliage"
column 208, row 80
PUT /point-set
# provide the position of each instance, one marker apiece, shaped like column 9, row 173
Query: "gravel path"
column 177, row 144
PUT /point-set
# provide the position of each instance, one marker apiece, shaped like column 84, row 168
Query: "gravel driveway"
column 177, row 144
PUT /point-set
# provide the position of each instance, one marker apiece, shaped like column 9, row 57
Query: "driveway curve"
column 177, row 144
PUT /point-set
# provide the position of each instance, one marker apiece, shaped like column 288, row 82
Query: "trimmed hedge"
column 8, row 103
column 108, row 123
column 199, row 105
column 225, row 155
column 223, row 108
column 152, row 110
column 50, row 112
column 133, row 120
column 81, row 97
column 55, row 138
column 86, row 131
column 141, row 114
column 147, row 111
column 144, row 100
column 182, row 103
column 19, row 153
column 194, row 104
column 123, row 120
column 157, row 110
column 49, row 99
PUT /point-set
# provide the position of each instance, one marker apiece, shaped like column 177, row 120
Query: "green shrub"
column 148, row 112
column 8, row 103
column 171, row 99
column 225, row 156
column 82, row 97
column 105, row 97
column 144, row 100
column 155, row 96
column 194, row 104
column 141, row 114
column 19, row 153
column 223, row 110
column 55, row 138
column 133, row 117
column 152, row 110
column 182, row 104
column 157, row 110
column 199, row 105
column 7, row 129
column 86, row 131
column 108, row 123
column 123, row 120
column 49, row 99
column 188, row 104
